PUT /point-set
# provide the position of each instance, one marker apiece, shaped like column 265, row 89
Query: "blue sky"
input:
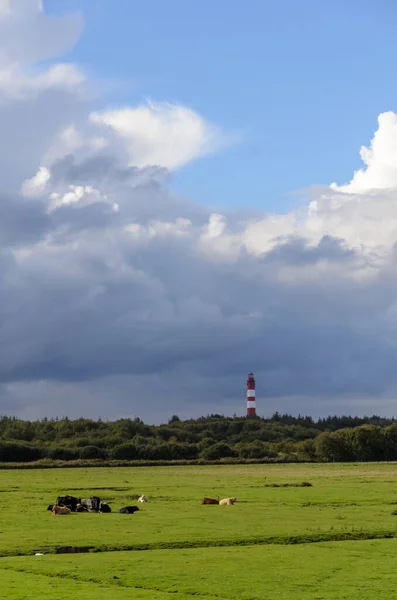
column 301, row 82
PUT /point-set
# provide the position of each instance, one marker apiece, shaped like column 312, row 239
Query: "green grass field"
column 332, row 540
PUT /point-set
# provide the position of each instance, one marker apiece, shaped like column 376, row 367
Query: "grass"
column 255, row 549
column 354, row 570
column 21, row 585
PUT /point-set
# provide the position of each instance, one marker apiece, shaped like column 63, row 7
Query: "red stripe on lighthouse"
column 251, row 402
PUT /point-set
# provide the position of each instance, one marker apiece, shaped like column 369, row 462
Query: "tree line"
column 280, row 438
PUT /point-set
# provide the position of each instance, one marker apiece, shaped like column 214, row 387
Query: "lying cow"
column 81, row 508
column 209, row 501
column 95, row 503
column 143, row 499
column 105, row 508
column 92, row 503
column 60, row 510
column 70, row 501
column 51, row 506
column 128, row 510
column 228, row 501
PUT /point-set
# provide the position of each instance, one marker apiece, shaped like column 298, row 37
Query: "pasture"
column 335, row 539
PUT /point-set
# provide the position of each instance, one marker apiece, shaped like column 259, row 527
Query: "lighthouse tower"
column 251, row 404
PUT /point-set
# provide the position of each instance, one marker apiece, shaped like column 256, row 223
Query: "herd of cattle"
column 68, row 504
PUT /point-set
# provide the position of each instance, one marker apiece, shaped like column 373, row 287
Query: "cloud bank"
column 118, row 297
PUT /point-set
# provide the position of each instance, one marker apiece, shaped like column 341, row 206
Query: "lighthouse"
column 251, row 404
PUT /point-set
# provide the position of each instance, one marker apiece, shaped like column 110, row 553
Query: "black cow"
column 50, row 507
column 81, row 508
column 105, row 508
column 95, row 503
column 128, row 510
column 69, row 501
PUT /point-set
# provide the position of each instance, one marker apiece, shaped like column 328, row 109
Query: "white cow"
column 228, row 501
column 143, row 499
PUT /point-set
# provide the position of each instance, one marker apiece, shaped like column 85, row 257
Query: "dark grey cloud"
column 28, row 126
column 140, row 192
column 91, row 303
column 22, row 221
column 297, row 251
column 103, row 170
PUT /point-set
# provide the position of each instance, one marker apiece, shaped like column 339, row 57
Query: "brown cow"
column 210, row 501
column 60, row 510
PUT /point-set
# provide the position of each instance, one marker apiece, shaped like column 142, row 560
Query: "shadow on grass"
column 288, row 485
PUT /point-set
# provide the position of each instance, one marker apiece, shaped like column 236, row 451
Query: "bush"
column 17, row 452
column 63, row 453
column 217, row 451
column 256, row 449
column 126, row 451
column 92, row 452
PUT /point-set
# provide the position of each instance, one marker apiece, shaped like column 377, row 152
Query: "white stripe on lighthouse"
column 250, row 403
column 250, row 393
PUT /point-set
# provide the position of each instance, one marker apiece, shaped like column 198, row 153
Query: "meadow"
column 333, row 539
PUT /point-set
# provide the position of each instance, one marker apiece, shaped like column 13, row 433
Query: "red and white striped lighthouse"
column 251, row 404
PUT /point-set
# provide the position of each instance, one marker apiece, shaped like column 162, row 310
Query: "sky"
column 299, row 84
column 189, row 192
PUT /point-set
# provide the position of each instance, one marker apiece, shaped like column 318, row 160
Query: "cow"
column 128, row 510
column 60, row 510
column 209, row 501
column 51, row 506
column 81, row 508
column 95, row 503
column 143, row 499
column 228, row 501
column 92, row 503
column 70, row 501
column 105, row 508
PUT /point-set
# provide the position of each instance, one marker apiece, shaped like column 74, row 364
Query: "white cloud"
column 81, row 195
column 180, row 227
column 36, row 101
column 160, row 134
column 380, row 160
column 36, row 185
column 16, row 84
column 29, row 36
column 21, row 6
column 362, row 213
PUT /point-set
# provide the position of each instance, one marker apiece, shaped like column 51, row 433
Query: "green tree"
column 174, row 419
column 368, row 443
